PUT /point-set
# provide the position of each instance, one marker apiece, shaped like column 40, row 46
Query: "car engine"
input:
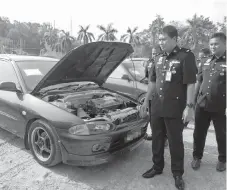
column 97, row 106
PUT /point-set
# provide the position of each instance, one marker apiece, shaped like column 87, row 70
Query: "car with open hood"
column 61, row 109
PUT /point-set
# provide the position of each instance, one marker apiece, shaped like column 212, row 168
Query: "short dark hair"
column 219, row 35
column 205, row 51
column 171, row 31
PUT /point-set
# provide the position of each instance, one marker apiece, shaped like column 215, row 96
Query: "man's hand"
column 188, row 115
column 143, row 110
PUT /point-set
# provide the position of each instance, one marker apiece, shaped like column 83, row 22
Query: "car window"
column 118, row 72
column 33, row 71
column 7, row 73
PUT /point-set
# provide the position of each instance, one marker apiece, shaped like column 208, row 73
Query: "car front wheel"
column 43, row 144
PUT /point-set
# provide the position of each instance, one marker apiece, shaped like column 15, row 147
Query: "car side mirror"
column 126, row 77
column 9, row 86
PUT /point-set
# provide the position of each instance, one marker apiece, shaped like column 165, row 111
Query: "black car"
column 62, row 110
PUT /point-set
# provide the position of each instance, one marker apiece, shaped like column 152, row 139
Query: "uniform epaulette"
column 185, row 50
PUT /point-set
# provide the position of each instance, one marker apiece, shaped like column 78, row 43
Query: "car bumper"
column 99, row 149
column 92, row 160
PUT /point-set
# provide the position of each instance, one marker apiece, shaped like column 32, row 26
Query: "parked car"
column 129, row 78
column 61, row 109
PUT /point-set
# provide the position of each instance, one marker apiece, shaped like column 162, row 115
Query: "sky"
column 122, row 13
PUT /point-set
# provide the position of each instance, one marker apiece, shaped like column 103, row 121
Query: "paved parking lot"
column 18, row 170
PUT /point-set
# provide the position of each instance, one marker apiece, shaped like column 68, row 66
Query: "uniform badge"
column 207, row 62
column 160, row 60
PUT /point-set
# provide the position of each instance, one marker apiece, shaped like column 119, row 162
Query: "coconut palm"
column 84, row 35
column 131, row 37
column 108, row 33
column 198, row 31
column 66, row 41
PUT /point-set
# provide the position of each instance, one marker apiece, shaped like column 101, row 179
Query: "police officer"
column 172, row 76
column 155, row 51
column 203, row 53
column 211, row 101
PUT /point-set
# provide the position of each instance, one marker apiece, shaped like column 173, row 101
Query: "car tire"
column 42, row 139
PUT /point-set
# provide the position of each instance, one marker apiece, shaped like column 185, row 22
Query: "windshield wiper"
column 58, row 88
column 68, row 86
column 83, row 85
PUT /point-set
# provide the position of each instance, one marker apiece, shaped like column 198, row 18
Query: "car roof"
column 13, row 57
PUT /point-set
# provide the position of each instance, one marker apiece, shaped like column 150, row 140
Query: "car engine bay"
column 97, row 105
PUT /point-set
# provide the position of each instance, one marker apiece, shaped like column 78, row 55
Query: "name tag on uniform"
column 168, row 76
column 175, row 62
column 160, row 60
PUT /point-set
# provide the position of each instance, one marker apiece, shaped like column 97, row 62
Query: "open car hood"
column 90, row 62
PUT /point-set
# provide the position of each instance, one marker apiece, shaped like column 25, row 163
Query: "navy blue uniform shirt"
column 212, row 92
column 172, row 73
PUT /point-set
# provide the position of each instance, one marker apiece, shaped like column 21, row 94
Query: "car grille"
column 119, row 143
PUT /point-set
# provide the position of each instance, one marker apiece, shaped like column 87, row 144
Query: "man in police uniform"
column 203, row 53
column 211, row 101
column 155, row 52
column 172, row 77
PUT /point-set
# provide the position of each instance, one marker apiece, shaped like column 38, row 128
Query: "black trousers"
column 202, row 123
column 149, row 108
column 173, row 127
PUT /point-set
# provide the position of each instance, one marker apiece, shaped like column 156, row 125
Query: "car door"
column 121, row 81
column 11, row 117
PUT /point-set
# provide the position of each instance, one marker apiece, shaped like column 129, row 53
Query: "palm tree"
column 131, row 36
column 155, row 28
column 66, row 41
column 108, row 33
column 198, row 31
column 84, row 35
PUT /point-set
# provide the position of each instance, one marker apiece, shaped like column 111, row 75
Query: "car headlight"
column 79, row 130
column 91, row 128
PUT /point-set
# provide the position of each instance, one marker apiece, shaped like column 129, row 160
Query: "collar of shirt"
column 221, row 58
column 173, row 52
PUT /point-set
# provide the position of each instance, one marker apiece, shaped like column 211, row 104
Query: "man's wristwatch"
column 190, row 105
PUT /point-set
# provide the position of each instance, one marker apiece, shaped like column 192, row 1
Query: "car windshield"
column 33, row 71
column 137, row 69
